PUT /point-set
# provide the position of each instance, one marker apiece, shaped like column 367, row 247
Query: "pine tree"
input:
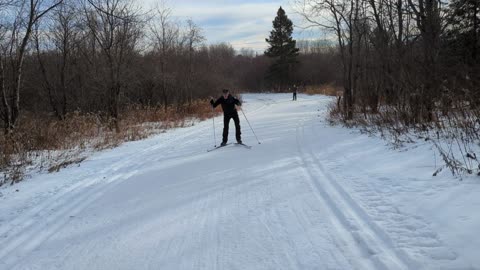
column 463, row 33
column 283, row 49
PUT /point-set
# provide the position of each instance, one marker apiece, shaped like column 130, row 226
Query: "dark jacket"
column 228, row 104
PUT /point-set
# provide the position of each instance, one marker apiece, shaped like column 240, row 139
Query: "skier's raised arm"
column 237, row 101
column 215, row 103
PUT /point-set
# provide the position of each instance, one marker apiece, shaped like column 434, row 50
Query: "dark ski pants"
column 226, row 122
column 294, row 96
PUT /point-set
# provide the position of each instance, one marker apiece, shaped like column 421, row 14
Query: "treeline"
column 409, row 64
column 319, row 64
column 101, row 56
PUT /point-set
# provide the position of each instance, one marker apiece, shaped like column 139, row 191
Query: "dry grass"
column 57, row 167
column 454, row 133
column 43, row 142
column 324, row 89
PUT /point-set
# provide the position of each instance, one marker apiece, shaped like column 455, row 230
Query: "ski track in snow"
column 412, row 234
column 370, row 240
column 165, row 203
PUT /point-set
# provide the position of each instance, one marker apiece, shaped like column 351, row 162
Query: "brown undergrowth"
column 42, row 142
column 453, row 131
column 324, row 89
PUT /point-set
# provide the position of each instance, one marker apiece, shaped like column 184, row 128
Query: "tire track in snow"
column 370, row 240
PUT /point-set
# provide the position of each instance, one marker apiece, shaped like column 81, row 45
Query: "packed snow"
column 310, row 196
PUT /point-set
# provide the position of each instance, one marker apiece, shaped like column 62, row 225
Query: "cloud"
column 244, row 24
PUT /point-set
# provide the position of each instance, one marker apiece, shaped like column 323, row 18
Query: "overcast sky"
column 244, row 24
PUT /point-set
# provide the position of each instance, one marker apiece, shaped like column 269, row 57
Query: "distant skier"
column 228, row 103
column 294, row 89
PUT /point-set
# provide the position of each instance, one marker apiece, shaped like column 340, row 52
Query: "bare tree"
column 345, row 18
column 56, row 64
column 114, row 25
column 193, row 36
column 427, row 14
column 13, row 50
column 166, row 34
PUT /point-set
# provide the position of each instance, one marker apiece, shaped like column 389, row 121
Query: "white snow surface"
column 310, row 196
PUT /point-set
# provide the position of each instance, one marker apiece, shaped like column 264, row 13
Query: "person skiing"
column 294, row 88
column 228, row 103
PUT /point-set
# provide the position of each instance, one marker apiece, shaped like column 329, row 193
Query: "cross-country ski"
column 244, row 145
column 217, row 147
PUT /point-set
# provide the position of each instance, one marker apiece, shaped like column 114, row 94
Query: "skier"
column 294, row 92
column 228, row 103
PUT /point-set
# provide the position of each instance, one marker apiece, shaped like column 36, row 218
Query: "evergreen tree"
column 463, row 32
column 283, row 49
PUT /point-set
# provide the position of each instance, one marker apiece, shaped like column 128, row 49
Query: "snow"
column 310, row 196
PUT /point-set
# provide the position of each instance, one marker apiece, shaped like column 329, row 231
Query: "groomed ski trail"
column 165, row 203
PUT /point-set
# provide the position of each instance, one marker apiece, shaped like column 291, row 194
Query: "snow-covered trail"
column 165, row 203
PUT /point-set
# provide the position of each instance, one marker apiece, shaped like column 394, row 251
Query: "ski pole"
column 250, row 127
column 214, row 136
